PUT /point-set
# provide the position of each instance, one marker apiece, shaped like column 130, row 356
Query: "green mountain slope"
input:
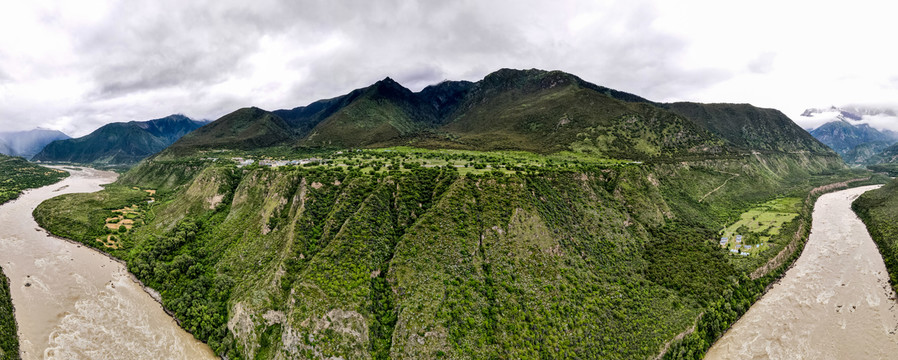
column 867, row 153
column 888, row 155
column 885, row 161
column 857, row 144
column 429, row 263
column 119, row 143
column 530, row 110
column 246, row 128
column 382, row 112
column 750, row 128
column 547, row 112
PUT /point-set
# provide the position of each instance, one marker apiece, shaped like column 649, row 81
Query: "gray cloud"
column 205, row 58
column 156, row 46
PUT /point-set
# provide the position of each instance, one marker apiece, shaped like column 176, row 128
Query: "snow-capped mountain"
column 857, row 133
column 880, row 118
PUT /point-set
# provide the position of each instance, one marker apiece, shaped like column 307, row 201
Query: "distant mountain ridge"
column 29, row 142
column 750, row 127
column 856, row 143
column 888, row 155
column 122, row 143
column 530, row 110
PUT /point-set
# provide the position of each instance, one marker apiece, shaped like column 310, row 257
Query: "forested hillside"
column 121, row 143
column 526, row 215
column 379, row 256
column 9, row 341
column 879, row 211
column 857, row 144
column 749, row 127
column 531, row 110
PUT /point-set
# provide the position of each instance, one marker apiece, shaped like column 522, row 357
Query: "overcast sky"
column 75, row 65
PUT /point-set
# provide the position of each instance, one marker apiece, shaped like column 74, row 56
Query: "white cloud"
column 882, row 122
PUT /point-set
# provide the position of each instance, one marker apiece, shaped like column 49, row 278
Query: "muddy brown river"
column 76, row 303
column 834, row 303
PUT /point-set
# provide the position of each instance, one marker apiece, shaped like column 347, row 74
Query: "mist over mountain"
column 881, row 118
column 28, row 143
column 857, row 133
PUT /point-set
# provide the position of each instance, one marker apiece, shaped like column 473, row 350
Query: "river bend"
column 73, row 302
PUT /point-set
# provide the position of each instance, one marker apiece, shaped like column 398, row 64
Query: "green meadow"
column 760, row 223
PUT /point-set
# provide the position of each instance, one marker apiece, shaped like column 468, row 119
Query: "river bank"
column 75, row 302
column 835, row 301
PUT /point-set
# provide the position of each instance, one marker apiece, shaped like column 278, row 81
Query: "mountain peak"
column 847, row 138
column 177, row 117
column 389, row 84
column 507, row 76
column 507, row 72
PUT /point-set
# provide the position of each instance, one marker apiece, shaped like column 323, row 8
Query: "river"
column 834, row 303
column 73, row 302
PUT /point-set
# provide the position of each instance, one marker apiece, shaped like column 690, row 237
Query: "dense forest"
column 412, row 253
column 9, row 341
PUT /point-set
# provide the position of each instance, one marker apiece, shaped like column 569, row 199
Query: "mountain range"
column 122, row 143
column 530, row 110
column 856, row 143
column 29, row 142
